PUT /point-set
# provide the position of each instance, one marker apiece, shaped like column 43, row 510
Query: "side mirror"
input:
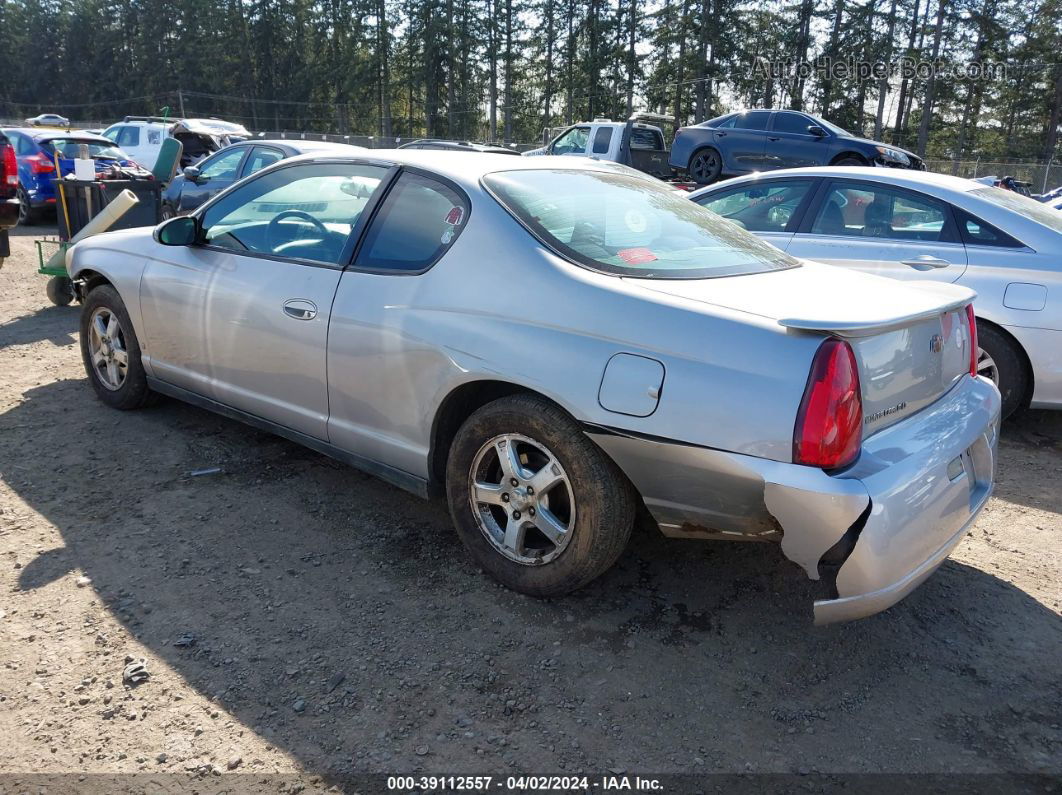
column 816, row 130
column 191, row 173
column 180, row 231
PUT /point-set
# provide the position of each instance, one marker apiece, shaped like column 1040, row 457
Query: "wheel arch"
column 850, row 153
column 701, row 147
column 87, row 279
column 1022, row 354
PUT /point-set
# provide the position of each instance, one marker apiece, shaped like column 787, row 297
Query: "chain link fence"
column 1041, row 177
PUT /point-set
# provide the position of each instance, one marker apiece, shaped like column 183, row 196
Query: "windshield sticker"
column 636, row 256
column 636, row 221
column 455, row 216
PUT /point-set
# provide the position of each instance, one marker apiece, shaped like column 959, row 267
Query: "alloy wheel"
column 107, row 350
column 986, row 366
column 522, row 499
column 704, row 166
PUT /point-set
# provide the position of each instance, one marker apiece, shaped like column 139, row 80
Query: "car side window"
column 417, row 223
column 862, row 210
column 602, row 139
column 753, row 120
column 572, row 141
column 765, row 207
column 261, row 157
column 112, row 133
column 23, row 144
column 791, row 123
column 976, row 232
column 304, row 212
column 224, row 165
column 128, row 136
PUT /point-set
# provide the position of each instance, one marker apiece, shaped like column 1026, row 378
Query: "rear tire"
column 511, row 531
column 1000, row 361
column 60, row 290
column 705, row 166
column 111, row 352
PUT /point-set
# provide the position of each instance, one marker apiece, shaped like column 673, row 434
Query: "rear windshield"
column 1030, row 208
column 630, row 225
column 96, row 149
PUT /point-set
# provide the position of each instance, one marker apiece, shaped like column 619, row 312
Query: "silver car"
column 550, row 342
column 930, row 227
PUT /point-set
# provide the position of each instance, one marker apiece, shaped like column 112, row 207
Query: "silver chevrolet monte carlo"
column 550, row 342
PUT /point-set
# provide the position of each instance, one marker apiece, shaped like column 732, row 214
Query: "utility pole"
column 180, row 101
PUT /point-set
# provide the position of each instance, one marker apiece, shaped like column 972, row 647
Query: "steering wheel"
column 273, row 229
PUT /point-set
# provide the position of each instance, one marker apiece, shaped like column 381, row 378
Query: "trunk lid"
column 911, row 340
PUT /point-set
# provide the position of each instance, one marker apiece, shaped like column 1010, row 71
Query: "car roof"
column 300, row 146
column 86, row 137
column 466, row 168
column 902, row 177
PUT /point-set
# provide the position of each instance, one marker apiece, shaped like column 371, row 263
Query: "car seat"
column 831, row 222
column 876, row 220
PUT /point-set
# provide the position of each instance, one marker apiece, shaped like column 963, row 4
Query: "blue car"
column 35, row 152
column 764, row 140
column 211, row 175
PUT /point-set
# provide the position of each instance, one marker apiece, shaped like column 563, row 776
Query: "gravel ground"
column 297, row 617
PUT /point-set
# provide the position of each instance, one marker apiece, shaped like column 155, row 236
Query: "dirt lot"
column 298, row 617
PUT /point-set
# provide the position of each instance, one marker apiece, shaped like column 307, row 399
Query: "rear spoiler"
column 939, row 298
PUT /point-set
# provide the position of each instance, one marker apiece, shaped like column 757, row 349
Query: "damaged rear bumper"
column 874, row 532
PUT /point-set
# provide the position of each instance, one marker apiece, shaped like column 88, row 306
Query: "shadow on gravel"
column 58, row 324
column 1031, row 438
column 338, row 617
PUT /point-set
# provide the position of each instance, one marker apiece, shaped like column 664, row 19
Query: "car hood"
column 535, row 152
column 868, row 142
column 817, row 297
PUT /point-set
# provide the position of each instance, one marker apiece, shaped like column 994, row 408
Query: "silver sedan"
column 914, row 225
column 550, row 343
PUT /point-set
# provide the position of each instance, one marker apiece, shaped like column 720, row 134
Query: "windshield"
column 630, row 225
column 1022, row 205
column 97, row 150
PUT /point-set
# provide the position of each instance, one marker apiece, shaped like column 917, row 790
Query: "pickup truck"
column 8, row 194
column 634, row 143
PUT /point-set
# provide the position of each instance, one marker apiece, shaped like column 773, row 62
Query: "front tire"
column 111, row 351
column 1000, row 361
column 537, row 504
column 705, row 166
column 850, row 161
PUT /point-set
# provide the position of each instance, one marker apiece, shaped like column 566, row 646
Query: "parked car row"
column 38, row 151
column 620, row 346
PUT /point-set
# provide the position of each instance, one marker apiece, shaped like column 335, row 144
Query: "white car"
column 142, row 136
column 914, row 225
column 48, row 120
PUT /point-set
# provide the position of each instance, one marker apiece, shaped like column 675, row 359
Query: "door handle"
column 773, row 138
column 720, row 135
column 926, row 261
column 300, row 309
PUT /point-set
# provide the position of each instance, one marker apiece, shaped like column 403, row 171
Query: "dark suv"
column 8, row 194
column 763, row 140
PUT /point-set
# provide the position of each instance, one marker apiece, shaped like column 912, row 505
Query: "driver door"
column 769, row 208
column 242, row 317
column 215, row 174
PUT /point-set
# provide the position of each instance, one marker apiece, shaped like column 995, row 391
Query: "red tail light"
column 10, row 167
column 829, row 425
column 973, row 339
column 40, row 164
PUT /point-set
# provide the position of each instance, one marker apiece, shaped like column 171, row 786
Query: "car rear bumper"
column 873, row 533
